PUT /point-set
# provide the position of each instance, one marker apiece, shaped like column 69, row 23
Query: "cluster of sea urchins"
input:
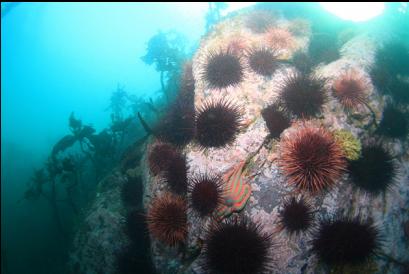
column 310, row 158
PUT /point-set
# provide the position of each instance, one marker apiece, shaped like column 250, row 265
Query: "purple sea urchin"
column 276, row 120
column 217, row 123
column 375, row 170
column 177, row 126
column 263, row 61
column 345, row 241
column 296, row 216
column 237, row 246
column 222, row 69
column 176, row 174
column 206, row 193
column 303, row 95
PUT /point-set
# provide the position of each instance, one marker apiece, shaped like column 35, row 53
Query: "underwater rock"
column 97, row 240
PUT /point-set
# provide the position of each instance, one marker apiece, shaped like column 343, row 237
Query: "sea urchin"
column 263, row 61
column 374, row 171
column 176, row 174
column 345, row 241
column 311, row 159
column 223, row 69
column 206, row 193
column 276, row 120
column 351, row 89
column 217, row 123
column 160, row 156
column 167, row 219
column 303, row 95
column 296, row 215
column 237, row 246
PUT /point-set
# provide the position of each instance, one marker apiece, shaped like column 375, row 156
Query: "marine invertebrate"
column 276, row 120
column 394, row 123
column 132, row 191
column 375, row 170
column 167, row 219
column 237, row 45
column 176, row 174
column 303, row 95
column 351, row 89
column 217, row 123
column 263, row 61
column 136, row 228
column 237, row 191
column 296, row 215
column 342, row 240
column 311, row 159
column 350, row 145
column 279, row 38
column 178, row 125
column 302, row 62
column 259, row 21
column 222, row 69
column 160, row 155
column 206, row 193
column 237, row 246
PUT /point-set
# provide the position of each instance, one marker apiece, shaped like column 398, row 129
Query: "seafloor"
column 102, row 234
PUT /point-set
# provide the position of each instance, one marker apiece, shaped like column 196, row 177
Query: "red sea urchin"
column 351, row 89
column 237, row 247
column 344, row 240
column 263, row 61
column 296, row 216
column 303, row 95
column 167, row 220
column 276, row 120
column 222, row 69
column 206, row 193
column 217, row 123
column 311, row 159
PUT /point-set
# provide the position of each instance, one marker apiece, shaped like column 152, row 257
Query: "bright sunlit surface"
column 354, row 11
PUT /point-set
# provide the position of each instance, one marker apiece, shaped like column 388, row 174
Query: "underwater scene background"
column 204, row 138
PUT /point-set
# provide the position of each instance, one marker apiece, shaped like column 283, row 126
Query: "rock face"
column 102, row 234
